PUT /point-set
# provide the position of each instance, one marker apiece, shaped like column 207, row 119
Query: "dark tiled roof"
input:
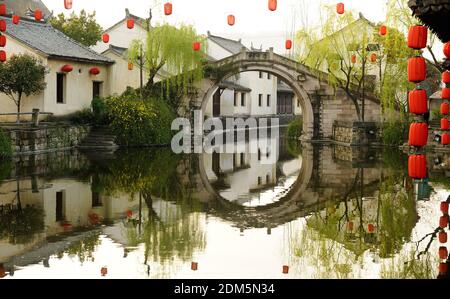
column 23, row 7
column 234, row 86
column 230, row 45
column 138, row 21
column 118, row 50
column 44, row 38
column 283, row 87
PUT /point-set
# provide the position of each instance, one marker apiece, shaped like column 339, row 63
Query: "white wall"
column 121, row 36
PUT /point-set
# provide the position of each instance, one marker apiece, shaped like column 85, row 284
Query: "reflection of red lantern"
column 445, row 93
column 105, row 38
column 94, row 71
column 445, row 107
column 130, row 23
column 418, row 103
column 445, row 124
column 443, row 268
column 417, row 69
column 15, row 19
column 196, row 46
column 447, row 49
column 2, row 9
column 67, row 68
column 2, row 25
column 68, row 4
column 285, row 269
column 272, row 5
column 129, row 213
column 444, row 207
column 446, row 77
column 2, row 271
column 66, row 226
column 442, row 237
column 130, row 66
column 417, row 37
column 371, row 228
column 38, row 15
column 93, row 218
column 418, row 134
column 2, row 40
column 353, row 58
column 383, row 30
column 194, row 266
column 168, row 9
column 350, row 225
column 445, row 139
column 443, row 221
column 417, row 166
column 104, row 271
column 443, row 253
column 2, row 56
column 373, row 57
column 288, row 44
column 340, row 8
column 231, row 20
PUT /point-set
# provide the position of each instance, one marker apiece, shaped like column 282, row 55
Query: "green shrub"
column 81, row 117
column 99, row 110
column 137, row 122
column 394, row 133
column 5, row 145
column 436, row 113
column 294, row 130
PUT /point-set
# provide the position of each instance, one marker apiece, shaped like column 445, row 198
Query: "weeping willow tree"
column 169, row 49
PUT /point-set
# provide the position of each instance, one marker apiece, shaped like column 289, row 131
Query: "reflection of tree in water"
column 20, row 225
column 335, row 247
column 408, row 266
column 84, row 249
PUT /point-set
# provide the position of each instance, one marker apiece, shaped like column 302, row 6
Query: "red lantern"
column 272, row 5
column 2, row 56
column 443, row 253
column 417, row 69
column 442, row 237
column 371, row 228
column 417, row 37
column 168, row 9
column 383, row 30
column 445, row 124
column 418, row 134
column 2, row 25
column 2, row 40
column 350, row 226
column 445, row 139
column 231, row 20
column 129, row 213
column 68, row 4
column 2, row 9
column 443, row 267
column 104, row 271
column 285, row 269
column 196, row 46
column 445, row 93
column 353, row 58
column 417, row 166
column 194, row 266
column 15, row 19
column 94, row 71
column 445, row 108
column 288, row 44
column 446, row 77
column 130, row 66
column 373, row 57
column 130, row 23
column 340, row 8
column 444, row 207
column 38, row 15
column 447, row 50
column 105, row 38
column 67, row 68
column 443, row 221
column 418, row 103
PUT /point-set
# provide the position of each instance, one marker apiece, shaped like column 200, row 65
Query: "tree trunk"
column 18, row 109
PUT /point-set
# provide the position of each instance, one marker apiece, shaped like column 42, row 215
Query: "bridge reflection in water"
column 326, row 211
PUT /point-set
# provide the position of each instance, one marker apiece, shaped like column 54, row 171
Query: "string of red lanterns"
column 442, row 236
column 2, row 29
column 445, row 106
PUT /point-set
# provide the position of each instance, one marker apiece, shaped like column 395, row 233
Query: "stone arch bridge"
column 321, row 103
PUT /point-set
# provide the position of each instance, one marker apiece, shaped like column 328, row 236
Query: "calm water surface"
column 323, row 211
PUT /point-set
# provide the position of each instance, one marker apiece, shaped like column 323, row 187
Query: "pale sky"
column 254, row 22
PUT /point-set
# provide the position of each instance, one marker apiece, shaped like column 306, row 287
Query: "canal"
column 316, row 211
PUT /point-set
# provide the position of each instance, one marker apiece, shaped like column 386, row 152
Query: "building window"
column 259, row 181
column 96, row 89
column 60, row 86
column 59, row 206
column 96, row 200
column 269, row 76
column 260, row 96
column 242, row 99
column 260, row 75
column 235, row 99
column 268, row 100
column 242, row 159
column 259, row 155
column 298, row 103
column 267, row 179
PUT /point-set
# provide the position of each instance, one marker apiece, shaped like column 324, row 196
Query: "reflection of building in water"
column 66, row 204
column 251, row 175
